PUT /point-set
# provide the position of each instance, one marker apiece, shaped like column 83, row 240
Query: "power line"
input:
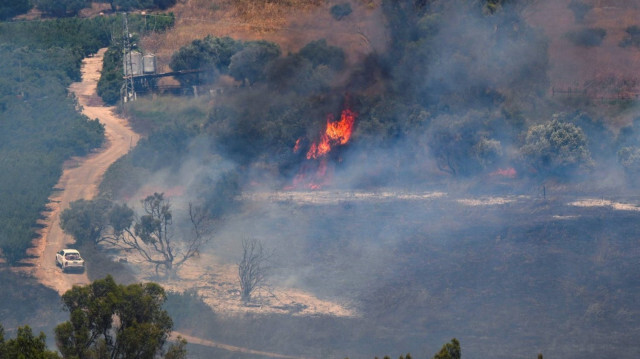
column 129, row 89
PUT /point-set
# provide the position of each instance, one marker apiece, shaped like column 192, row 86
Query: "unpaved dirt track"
column 80, row 180
column 81, row 177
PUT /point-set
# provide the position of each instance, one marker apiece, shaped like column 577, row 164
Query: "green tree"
column 629, row 158
column 85, row 220
column 249, row 64
column 108, row 320
column 25, row 346
column 556, row 147
column 449, row 350
column 11, row 8
column 461, row 145
column 211, row 53
column 319, row 53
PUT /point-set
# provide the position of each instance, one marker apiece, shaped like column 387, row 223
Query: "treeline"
column 463, row 87
column 106, row 320
column 40, row 126
column 40, row 129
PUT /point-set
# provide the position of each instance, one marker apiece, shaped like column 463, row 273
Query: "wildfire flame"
column 296, row 148
column 337, row 132
column 314, row 175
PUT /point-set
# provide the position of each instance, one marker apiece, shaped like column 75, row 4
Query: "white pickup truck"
column 69, row 259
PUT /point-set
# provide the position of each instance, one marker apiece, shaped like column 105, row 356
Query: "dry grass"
column 289, row 23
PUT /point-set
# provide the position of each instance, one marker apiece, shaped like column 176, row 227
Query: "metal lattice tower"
column 129, row 89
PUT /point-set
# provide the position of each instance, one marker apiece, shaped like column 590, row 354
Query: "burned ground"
column 509, row 280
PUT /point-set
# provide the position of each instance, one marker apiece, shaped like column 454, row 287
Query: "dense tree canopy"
column 449, row 350
column 40, row 125
column 85, row 220
column 249, row 64
column 40, row 129
column 61, row 8
column 11, row 8
column 116, row 321
column 25, row 345
column 556, row 147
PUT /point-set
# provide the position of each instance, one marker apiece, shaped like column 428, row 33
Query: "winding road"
column 81, row 176
column 80, row 180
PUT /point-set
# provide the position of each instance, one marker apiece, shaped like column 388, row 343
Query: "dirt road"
column 81, row 177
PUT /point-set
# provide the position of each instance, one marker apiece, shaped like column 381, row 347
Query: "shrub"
column 632, row 38
column 579, row 9
column 589, row 37
column 341, row 11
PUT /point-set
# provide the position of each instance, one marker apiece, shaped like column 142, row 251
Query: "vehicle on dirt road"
column 70, row 260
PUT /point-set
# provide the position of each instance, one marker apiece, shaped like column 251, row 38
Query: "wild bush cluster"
column 462, row 83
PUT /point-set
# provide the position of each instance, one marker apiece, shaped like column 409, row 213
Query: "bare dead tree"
column 253, row 268
column 152, row 235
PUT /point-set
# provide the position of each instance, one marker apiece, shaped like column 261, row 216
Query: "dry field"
column 289, row 23
column 591, row 68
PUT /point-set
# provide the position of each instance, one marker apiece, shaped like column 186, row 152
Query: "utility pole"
column 129, row 89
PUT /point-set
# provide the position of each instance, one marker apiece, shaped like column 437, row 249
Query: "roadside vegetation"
column 106, row 320
column 41, row 127
column 461, row 95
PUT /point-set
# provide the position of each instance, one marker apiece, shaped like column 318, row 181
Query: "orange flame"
column 314, row 175
column 296, row 148
column 337, row 132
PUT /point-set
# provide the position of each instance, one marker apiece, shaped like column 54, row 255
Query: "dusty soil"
column 80, row 178
column 217, row 283
column 590, row 68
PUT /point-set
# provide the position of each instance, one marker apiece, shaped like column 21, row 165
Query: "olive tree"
column 556, row 147
column 85, row 220
column 250, row 63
